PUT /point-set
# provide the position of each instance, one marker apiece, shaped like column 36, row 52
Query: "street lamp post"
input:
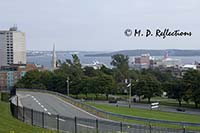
column 129, row 93
column 67, row 86
column 129, row 86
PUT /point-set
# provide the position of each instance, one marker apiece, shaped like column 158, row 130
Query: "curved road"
column 51, row 105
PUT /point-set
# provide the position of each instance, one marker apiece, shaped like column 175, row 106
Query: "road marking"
column 40, row 105
column 82, row 125
column 48, row 113
column 61, row 119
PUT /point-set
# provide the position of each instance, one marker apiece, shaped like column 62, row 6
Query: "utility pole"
column 67, row 86
column 129, row 86
column 129, row 93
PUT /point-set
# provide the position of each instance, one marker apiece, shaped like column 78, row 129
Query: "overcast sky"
column 100, row 24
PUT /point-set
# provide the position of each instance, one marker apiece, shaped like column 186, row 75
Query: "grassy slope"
column 8, row 124
column 148, row 113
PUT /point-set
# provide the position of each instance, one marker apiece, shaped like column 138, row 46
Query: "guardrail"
column 181, row 126
column 80, row 125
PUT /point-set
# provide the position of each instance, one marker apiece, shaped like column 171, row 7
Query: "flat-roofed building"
column 9, row 75
column 12, row 47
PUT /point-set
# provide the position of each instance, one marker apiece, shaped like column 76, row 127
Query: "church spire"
column 53, row 61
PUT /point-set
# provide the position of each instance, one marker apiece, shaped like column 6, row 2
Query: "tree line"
column 145, row 83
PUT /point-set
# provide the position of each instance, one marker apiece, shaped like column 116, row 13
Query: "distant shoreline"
column 171, row 52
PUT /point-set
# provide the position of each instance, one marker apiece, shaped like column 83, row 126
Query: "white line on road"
column 61, row 119
column 48, row 113
column 82, row 125
column 41, row 105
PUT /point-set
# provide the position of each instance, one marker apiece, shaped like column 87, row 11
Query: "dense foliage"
column 106, row 81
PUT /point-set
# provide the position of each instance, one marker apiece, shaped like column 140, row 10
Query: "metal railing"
column 141, row 124
column 80, row 125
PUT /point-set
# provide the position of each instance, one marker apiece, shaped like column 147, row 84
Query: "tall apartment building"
column 12, row 47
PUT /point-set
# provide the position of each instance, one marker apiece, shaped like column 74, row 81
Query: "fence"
column 59, row 122
column 81, row 125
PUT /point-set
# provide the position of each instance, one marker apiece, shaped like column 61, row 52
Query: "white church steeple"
column 53, row 61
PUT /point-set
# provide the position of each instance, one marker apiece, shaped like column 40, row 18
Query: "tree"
column 106, row 84
column 106, row 70
column 137, row 88
column 121, row 61
column 86, row 85
column 192, row 86
column 69, row 69
column 120, row 70
column 32, row 79
column 175, row 90
column 46, row 79
column 90, row 71
column 147, row 86
column 163, row 76
column 76, row 60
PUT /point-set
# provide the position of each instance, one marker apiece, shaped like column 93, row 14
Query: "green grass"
column 169, row 102
column 163, row 101
column 154, row 114
column 9, row 124
column 141, row 113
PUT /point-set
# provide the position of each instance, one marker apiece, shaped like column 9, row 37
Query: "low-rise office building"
column 9, row 75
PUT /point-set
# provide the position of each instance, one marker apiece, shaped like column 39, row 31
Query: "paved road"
column 51, row 104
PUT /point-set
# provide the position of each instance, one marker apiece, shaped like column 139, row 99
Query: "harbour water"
column 45, row 59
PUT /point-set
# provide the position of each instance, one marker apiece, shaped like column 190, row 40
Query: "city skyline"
column 100, row 25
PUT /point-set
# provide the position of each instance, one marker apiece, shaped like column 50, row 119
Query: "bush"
column 90, row 96
column 5, row 96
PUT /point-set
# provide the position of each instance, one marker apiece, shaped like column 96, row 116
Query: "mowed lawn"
column 153, row 114
column 8, row 124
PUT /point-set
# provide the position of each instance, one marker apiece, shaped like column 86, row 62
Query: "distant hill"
column 171, row 52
